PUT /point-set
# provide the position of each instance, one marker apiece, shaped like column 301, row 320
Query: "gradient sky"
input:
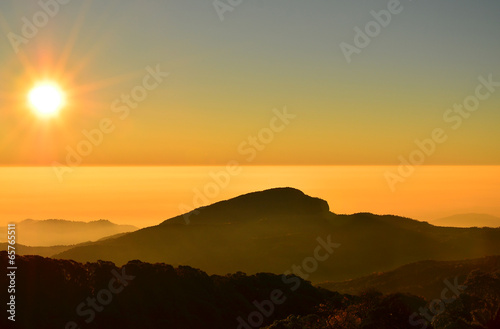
column 145, row 196
column 227, row 76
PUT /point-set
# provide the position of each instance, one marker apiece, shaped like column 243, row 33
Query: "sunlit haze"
column 145, row 196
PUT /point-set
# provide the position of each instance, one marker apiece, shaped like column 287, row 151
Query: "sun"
column 46, row 99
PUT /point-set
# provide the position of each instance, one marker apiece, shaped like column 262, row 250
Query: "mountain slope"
column 40, row 251
column 276, row 229
column 425, row 278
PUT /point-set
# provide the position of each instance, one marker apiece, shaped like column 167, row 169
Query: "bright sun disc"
column 46, row 99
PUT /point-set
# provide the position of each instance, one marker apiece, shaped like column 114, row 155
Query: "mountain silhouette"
column 425, row 278
column 468, row 220
column 270, row 204
column 23, row 250
column 58, row 232
column 277, row 229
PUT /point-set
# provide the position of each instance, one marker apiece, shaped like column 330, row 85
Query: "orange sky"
column 226, row 77
column 145, row 196
column 171, row 84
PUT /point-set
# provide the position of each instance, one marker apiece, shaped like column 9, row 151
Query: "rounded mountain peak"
column 270, row 203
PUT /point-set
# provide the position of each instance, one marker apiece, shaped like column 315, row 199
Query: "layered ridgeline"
column 51, row 250
column 59, row 232
column 468, row 220
column 426, row 278
column 23, row 250
column 283, row 229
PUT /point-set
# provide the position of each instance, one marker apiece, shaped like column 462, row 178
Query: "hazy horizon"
column 146, row 196
column 251, row 86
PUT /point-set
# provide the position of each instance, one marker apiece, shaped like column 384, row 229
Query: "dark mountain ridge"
column 273, row 230
column 425, row 278
column 273, row 203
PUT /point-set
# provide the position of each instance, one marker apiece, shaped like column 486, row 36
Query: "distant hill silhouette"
column 55, row 232
column 468, row 220
column 425, row 278
column 40, row 251
column 272, row 230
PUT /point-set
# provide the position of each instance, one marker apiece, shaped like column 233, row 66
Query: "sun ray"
column 84, row 97
column 75, row 32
